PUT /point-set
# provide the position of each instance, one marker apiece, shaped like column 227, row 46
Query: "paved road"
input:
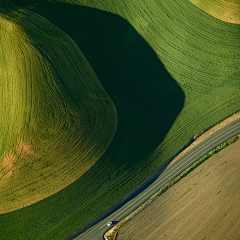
column 97, row 231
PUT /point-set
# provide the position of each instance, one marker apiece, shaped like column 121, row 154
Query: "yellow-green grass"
column 56, row 118
column 141, row 51
column 225, row 10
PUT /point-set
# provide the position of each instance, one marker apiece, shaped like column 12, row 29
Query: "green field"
column 171, row 70
column 56, row 118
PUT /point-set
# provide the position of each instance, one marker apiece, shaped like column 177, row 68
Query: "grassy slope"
column 130, row 57
column 56, row 119
column 225, row 10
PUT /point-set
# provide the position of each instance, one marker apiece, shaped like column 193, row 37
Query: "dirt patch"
column 8, row 172
column 23, row 147
column 8, row 159
column 206, row 134
column 203, row 205
column 7, row 167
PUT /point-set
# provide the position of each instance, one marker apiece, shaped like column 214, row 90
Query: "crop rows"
column 67, row 119
column 170, row 69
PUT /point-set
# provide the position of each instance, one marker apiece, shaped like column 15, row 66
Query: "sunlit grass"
column 170, row 69
column 56, row 118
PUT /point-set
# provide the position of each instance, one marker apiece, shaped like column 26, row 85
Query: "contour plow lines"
column 172, row 71
column 199, row 119
column 61, row 134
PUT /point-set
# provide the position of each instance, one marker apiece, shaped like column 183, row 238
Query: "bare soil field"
column 203, row 205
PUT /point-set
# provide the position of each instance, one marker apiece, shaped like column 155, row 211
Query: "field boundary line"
column 112, row 233
column 116, row 205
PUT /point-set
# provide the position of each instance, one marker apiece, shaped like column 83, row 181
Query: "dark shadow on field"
column 147, row 98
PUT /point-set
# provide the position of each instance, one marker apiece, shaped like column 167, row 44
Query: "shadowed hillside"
column 147, row 100
column 139, row 58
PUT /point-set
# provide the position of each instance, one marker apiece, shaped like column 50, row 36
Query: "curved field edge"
column 203, row 60
column 112, row 233
column 225, row 10
column 56, row 118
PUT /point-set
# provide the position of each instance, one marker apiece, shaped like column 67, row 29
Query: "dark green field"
column 225, row 10
column 171, row 71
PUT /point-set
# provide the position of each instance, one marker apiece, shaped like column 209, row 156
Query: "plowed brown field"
column 203, row 205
